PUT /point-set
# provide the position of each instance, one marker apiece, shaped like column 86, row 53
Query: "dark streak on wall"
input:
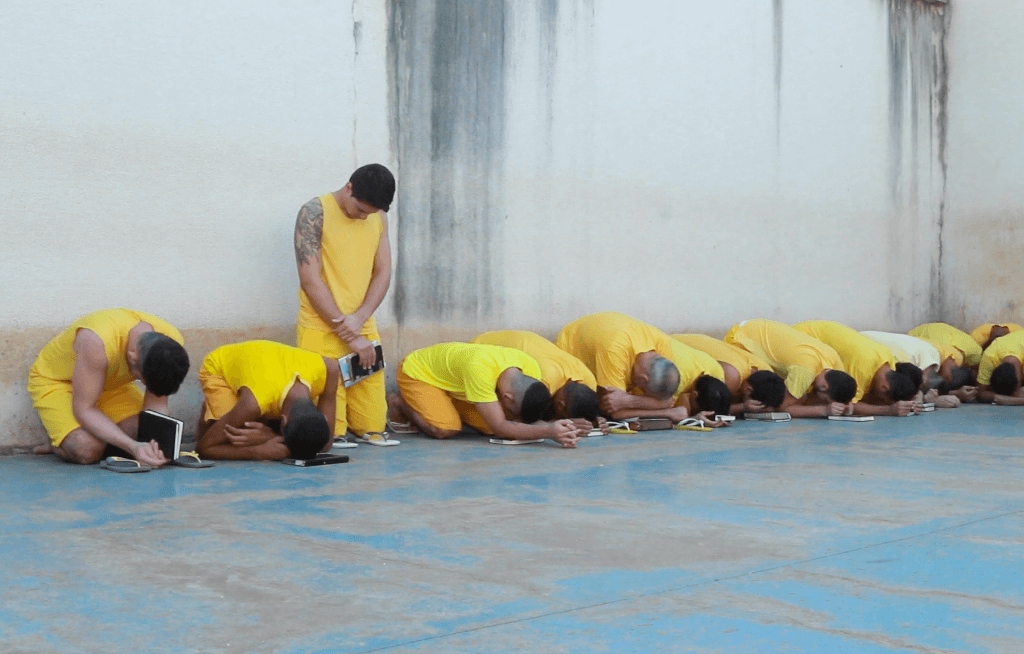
column 777, row 61
column 918, row 94
column 547, row 24
column 448, row 73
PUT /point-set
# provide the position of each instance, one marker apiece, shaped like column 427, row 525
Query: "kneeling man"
column 82, row 384
column 246, row 385
column 494, row 389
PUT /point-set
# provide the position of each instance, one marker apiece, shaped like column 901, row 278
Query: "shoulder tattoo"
column 308, row 227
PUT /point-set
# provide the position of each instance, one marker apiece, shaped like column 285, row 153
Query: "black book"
column 321, row 459
column 165, row 430
column 352, row 372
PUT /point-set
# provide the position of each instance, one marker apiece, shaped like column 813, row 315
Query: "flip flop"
column 121, row 464
column 503, row 441
column 402, row 427
column 691, row 424
column 378, row 438
column 341, row 443
column 191, row 460
column 620, row 428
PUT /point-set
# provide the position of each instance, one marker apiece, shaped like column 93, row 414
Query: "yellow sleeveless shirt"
column 348, row 249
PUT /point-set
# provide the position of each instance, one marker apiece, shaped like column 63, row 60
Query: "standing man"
column 344, row 260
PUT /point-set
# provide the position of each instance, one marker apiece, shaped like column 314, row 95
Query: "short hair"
column 767, row 388
column 307, row 431
column 960, row 377
column 373, row 184
column 842, row 387
column 713, row 395
column 163, row 361
column 535, row 402
column 937, row 382
column 915, row 374
column 664, row 378
column 581, row 401
column 901, row 387
column 1004, row 379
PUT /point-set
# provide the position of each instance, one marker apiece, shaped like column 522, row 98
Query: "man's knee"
column 81, row 447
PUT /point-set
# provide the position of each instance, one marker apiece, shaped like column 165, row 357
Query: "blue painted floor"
column 899, row 535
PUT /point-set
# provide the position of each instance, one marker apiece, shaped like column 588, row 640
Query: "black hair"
column 581, row 401
column 901, row 387
column 307, row 431
column 535, row 404
column 841, row 386
column 1004, row 380
column 164, row 364
column 373, row 184
column 767, row 388
column 960, row 377
column 713, row 395
column 915, row 374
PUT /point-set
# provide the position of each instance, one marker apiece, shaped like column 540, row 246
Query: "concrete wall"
column 690, row 163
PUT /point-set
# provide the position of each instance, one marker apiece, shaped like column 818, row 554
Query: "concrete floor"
column 898, row 535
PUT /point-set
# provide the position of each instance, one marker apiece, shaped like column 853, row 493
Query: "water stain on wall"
column 448, row 74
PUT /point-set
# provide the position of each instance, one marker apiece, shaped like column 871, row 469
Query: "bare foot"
column 45, row 448
column 395, row 413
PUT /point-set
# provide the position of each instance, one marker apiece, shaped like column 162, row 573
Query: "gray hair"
column 664, row 378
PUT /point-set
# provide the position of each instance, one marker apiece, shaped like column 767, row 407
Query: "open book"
column 165, row 430
column 352, row 372
column 772, row 416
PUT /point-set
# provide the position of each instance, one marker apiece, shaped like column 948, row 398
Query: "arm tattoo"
column 308, row 227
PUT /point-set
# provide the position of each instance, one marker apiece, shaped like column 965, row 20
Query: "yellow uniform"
column 1011, row 345
column 982, row 332
column 692, row 364
column 49, row 379
column 862, row 357
column 348, row 249
column 267, row 369
column 608, row 343
column 795, row 356
column 939, row 332
column 946, row 351
column 744, row 362
column 557, row 367
column 443, row 382
column 907, row 349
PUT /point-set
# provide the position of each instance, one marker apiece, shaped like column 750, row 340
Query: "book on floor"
column 352, row 372
column 649, row 424
column 771, row 416
column 165, row 430
column 321, row 459
column 852, row 418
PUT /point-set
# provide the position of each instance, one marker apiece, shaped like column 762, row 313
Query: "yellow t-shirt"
column 940, row 332
column 744, row 362
column 348, row 249
column 608, row 343
column 862, row 357
column 1010, row 345
column 467, row 371
column 268, row 369
column 982, row 332
column 557, row 367
column 692, row 363
column 795, row 356
column 946, row 351
column 56, row 361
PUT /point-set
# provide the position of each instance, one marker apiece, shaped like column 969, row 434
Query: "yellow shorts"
column 219, row 397
column 52, row 399
column 361, row 407
column 438, row 407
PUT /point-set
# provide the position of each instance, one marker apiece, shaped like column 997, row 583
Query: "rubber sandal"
column 191, row 460
column 503, row 441
column 121, row 464
column 620, row 428
column 402, row 427
column 691, row 424
column 342, row 443
column 378, row 438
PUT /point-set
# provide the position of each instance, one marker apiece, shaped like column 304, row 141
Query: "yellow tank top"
column 467, row 371
column 557, row 367
column 268, row 370
column 56, row 361
column 347, row 251
column 942, row 333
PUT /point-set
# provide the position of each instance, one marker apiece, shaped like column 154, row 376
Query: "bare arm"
column 308, row 230
column 618, row 404
column 560, row 431
column 87, row 381
column 237, row 436
column 895, row 409
column 329, row 398
column 380, row 280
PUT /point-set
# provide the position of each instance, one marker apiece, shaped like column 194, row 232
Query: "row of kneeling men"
column 267, row 400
